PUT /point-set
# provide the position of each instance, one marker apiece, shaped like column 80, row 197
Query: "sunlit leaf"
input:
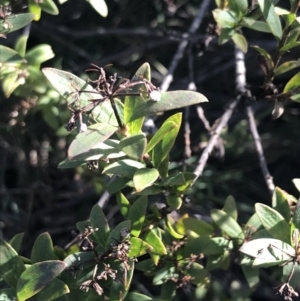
column 39, row 54
column 268, row 11
column 169, row 101
column 230, row 207
column 100, row 7
column 281, row 204
column 240, row 41
column 286, row 66
column 255, row 25
column 225, row 18
column 126, row 168
column 273, row 222
column 15, row 22
column 293, row 83
column 95, row 134
column 144, row 177
column 155, row 242
column 49, row 7
column 138, row 247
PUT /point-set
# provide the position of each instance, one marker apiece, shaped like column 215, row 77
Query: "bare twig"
column 180, row 50
column 259, row 149
column 240, row 86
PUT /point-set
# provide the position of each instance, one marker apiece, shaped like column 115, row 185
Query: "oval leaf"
column 8, row 55
column 16, row 241
column 126, row 168
column 169, row 101
column 144, row 177
column 240, row 41
column 11, row 265
column 53, row 290
column 16, row 22
column 155, row 242
column 138, row 247
column 37, row 276
column 39, row 54
column 42, row 249
column 137, row 214
column 94, row 134
column 227, row 224
column 273, row 222
column 134, row 146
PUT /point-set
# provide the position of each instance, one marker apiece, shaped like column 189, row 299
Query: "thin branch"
column 180, row 50
column 259, row 149
column 222, row 122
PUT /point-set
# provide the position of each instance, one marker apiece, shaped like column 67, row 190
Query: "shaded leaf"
column 49, row 7
column 10, row 83
column 115, row 234
column 296, row 216
column 53, row 290
column 273, row 222
column 98, row 220
column 280, row 204
column 16, row 22
column 136, row 215
column 118, row 184
column 286, row 66
column 226, row 19
column 169, row 101
column 11, row 265
column 42, row 249
column 289, row 46
column 198, row 226
column 255, row 25
column 198, row 273
column 230, row 207
column 164, row 274
column 37, row 276
column 134, row 146
column 16, row 241
column 8, row 55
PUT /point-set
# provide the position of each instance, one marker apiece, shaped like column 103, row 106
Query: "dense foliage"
column 170, row 230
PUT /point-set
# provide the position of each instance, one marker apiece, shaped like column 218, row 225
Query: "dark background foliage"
column 36, row 196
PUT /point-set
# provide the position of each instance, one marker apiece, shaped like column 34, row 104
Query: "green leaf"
column 49, row 7
column 131, row 102
column 225, row 35
column 155, row 242
column 16, row 241
column 118, row 184
column 68, row 85
column 293, row 83
column 296, row 216
column 125, row 168
column 115, row 234
column 296, row 182
column 293, row 270
column 11, row 265
column 42, row 249
column 170, row 124
column 226, row 19
column 164, row 274
column 227, row 224
column 230, row 207
column 251, row 274
column 137, row 214
column 136, row 297
column 20, row 45
column 286, row 66
column 198, row 273
column 99, row 6
column 134, row 146
column 138, row 247
column 273, row 222
column 266, row 55
column 170, row 228
column 268, row 251
column 98, row 220
column 198, row 226
column 168, row 290
column 15, row 22
column 85, row 141
column 144, row 177
column 70, row 163
column 281, row 204
column 164, row 146
column 37, row 276
column 238, row 6
column 53, row 290
column 255, row 25
column 10, row 83
column 164, row 167
column 169, row 101
column 35, row 9
column 240, row 41
column 39, row 54
column 268, row 11
column 8, row 55
column 8, row 294
column 288, row 46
